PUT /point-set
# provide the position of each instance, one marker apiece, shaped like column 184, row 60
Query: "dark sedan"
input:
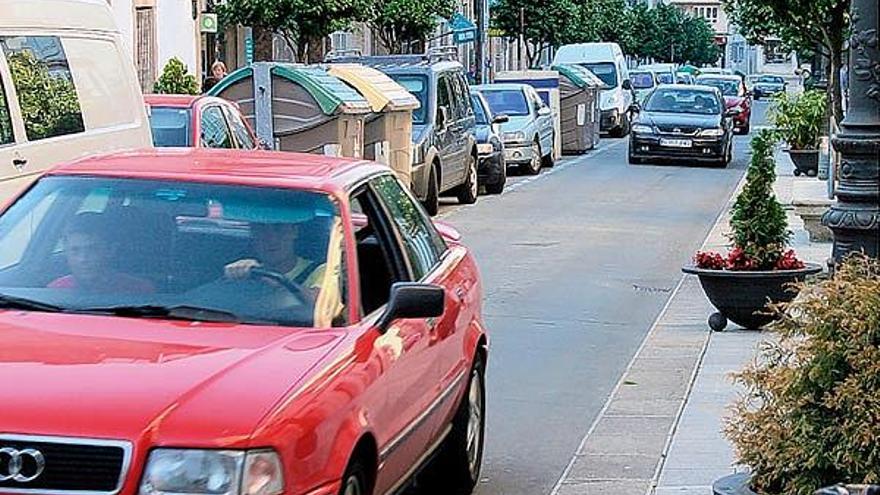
column 767, row 85
column 492, row 169
column 685, row 123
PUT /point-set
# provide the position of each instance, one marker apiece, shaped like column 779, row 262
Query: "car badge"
column 677, row 130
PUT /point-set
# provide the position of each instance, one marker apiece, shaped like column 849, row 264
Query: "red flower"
column 738, row 260
column 709, row 260
column 789, row 261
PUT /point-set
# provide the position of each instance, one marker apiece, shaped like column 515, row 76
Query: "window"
column 714, row 14
column 443, row 96
column 170, row 126
column 467, row 110
column 422, row 243
column 46, row 93
column 240, row 129
column 6, row 136
column 511, row 102
column 84, row 242
column 479, row 113
column 215, row 132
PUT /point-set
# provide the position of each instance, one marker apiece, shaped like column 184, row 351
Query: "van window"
column 606, row 71
column 444, row 97
column 46, row 93
column 6, row 136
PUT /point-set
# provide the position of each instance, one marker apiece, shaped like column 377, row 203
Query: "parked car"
column 528, row 134
column 606, row 61
column 73, row 51
column 643, row 82
column 198, row 121
column 684, row 123
column 444, row 145
column 768, row 85
column 736, row 96
column 490, row 145
column 665, row 72
column 349, row 354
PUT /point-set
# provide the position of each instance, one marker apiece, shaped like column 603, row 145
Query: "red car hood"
column 171, row 382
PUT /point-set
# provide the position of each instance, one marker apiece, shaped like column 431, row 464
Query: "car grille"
column 678, row 130
column 95, row 466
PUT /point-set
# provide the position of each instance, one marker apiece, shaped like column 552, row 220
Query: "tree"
column 802, row 25
column 399, row 23
column 547, row 23
column 176, row 80
column 641, row 23
column 303, row 23
column 48, row 102
column 699, row 46
column 605, row 20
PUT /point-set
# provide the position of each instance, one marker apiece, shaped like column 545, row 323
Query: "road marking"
column 565, row 164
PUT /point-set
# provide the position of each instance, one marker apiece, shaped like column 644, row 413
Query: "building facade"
column 157, row 31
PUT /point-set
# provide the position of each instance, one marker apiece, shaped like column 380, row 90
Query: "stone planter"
column 742, row 296
column 811, row 211
column 805, row 162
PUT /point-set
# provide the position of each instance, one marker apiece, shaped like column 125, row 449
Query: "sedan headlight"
column 642, row 129
column 485, row 148
column 712, row 132
column 212, row 472
column 514, row 137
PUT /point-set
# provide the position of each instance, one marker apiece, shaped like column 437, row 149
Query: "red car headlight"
column 212, row 472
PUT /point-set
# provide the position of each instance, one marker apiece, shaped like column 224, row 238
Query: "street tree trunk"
column 262, row 44
column 316, row 51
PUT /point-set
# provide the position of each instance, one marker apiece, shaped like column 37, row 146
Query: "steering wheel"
column 294, row 288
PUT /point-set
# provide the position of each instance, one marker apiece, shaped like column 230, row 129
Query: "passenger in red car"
column 90, row 252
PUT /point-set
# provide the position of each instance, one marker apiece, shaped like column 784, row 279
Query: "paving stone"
column 642, row 407
column 604, row 466
column 600, row 487
column 629, row 435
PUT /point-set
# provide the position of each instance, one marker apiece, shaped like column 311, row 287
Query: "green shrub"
column 810, row 416
column 49, row 103
column 798, row 118
column 758, row 221
column 176, row 80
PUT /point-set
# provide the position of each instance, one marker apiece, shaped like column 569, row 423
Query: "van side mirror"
column 627, row 85
column 412, row 300
column 501, row 119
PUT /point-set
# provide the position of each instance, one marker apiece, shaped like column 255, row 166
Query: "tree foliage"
column 758, row 221
column 664, row 33
column 399, row 23
column 176, row 80
column 48, row 102
column 802, row 25
column 810, row 415
column 301, row 22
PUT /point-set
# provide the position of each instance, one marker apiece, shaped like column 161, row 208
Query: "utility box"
column 388, row 129
column 546, row 83
column 299, row 108
column 579, row 91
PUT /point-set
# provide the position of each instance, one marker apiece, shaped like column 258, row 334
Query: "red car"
column 226, row 322
column 198, row 121
column 736, row 97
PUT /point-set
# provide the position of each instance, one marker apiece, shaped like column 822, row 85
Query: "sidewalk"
column 699, row 453
column 660, row 430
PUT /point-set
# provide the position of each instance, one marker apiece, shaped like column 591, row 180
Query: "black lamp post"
column 855, row 217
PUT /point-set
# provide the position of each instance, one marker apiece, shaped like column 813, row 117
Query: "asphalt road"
column 577, row 263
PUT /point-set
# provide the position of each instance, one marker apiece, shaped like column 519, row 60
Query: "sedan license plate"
column 677, row 143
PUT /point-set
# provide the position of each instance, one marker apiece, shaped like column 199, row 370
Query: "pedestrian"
column 218, row 72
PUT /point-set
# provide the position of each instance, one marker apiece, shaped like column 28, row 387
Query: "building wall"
column 176, row 32
column 710, row 10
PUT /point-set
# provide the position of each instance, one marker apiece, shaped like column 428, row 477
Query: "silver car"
column 529, row 133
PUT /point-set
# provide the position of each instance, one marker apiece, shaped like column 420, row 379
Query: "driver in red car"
column 90, row 251
column 274, row 246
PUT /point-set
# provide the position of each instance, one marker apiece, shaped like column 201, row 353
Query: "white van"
column 606, row 60
column 68, row 88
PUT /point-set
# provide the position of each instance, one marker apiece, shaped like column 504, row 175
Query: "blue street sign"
column 463, row 29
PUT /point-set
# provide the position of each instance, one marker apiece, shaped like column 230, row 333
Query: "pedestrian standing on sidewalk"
column 218, row 72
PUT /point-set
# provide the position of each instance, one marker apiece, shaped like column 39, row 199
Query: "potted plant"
column 758, row 268
column 808, row 414
column 798, row 121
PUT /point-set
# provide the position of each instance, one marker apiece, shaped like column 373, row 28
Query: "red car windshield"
column 171, row 127
column 249, row 254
